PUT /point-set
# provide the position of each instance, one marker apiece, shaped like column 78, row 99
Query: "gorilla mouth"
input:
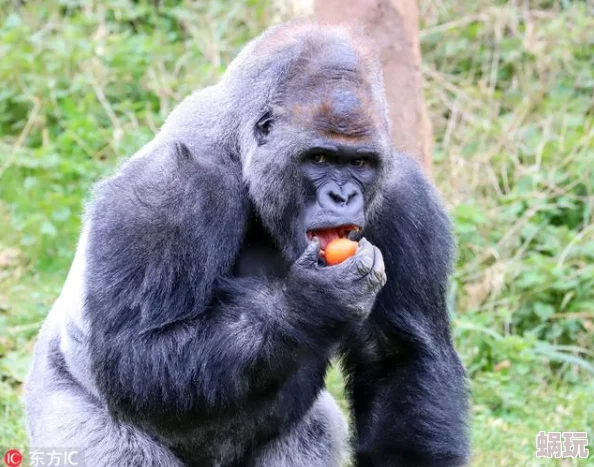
column 325, row 236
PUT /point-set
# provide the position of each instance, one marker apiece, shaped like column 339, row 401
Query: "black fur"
column 177, row 343
column 406, row 382
column 168, row 349
column 211, row 321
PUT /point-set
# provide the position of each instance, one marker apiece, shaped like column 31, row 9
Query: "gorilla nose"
column 347, row 198
column 342, row 198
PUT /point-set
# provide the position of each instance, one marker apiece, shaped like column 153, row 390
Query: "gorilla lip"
column 328, row 234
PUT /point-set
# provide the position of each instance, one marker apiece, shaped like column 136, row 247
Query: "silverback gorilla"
column 198, row 319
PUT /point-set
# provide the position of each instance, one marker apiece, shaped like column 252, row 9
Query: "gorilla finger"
column 365, row 248
column 363, row 242
column 364, row 262
column 364, row 265
column 379, row 265
column 311, row 254
column 378, row 278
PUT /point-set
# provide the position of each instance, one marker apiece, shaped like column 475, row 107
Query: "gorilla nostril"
column 338, row 198
column 351, row 196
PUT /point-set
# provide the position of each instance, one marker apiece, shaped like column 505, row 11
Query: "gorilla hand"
column 350, row 286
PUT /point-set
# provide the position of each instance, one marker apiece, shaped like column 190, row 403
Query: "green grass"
column 510, row 89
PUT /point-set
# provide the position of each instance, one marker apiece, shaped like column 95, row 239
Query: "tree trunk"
column 393, row 24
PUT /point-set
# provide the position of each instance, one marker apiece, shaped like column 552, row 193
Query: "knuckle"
column 380, row 267
column 377, row 279
column 379, row 255
column 364, row 265
column 365, row 253
column 383, row 279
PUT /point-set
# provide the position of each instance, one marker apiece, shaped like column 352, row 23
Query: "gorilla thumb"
column 311, row 254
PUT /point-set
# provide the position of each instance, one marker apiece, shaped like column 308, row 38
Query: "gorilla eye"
column 263, row 127
column 318, row 158
column 358, row 162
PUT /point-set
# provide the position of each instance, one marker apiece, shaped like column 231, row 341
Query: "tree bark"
column 394, row 26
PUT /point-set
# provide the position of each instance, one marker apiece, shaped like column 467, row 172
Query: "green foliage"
column 87, row 83
column 513, row 86
column 510, row 89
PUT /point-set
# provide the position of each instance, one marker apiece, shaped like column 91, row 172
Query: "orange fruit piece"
column 338, row 250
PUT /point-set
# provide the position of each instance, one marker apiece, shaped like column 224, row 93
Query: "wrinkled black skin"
column 336, row 186
column 207, row 328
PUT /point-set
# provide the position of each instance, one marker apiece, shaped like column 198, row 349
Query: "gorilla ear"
column 182, row 151
column 263, row 127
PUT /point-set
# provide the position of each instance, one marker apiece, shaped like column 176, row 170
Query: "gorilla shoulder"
column 155, row 218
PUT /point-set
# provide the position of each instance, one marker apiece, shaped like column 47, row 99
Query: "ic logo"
column 13, row 458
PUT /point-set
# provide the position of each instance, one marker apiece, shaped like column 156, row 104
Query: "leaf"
column 15, row 364
column 550, row 353
column 544, row 310
column 47, row 228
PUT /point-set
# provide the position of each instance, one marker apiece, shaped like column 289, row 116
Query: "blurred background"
column 509, row 87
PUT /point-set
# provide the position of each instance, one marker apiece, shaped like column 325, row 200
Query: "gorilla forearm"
column 174, row 336
column 426, row 386
column 166, row 343
column 243, row 347
column 408, row 391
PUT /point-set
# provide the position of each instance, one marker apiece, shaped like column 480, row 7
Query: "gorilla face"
column 322, row 148
column 337, row 178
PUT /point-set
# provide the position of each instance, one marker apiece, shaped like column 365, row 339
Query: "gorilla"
column 199, row 318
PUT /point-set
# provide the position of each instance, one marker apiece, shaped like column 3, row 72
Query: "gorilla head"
column 314, row 144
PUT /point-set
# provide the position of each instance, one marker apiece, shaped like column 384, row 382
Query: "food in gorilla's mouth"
column 325, row 236
column 339, row 250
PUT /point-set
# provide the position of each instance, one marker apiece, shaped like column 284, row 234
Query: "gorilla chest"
column 259, row 256
column 259, row 260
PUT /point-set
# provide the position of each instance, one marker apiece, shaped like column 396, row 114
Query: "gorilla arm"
column 174, row 340
column 406, row 381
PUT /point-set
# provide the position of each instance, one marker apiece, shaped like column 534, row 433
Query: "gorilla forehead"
column 341, row 112
column 334, row 109
column 330, row 88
